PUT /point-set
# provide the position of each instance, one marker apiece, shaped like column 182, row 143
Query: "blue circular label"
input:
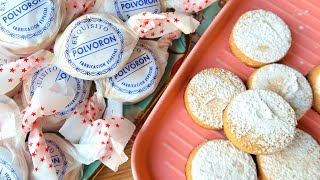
column 59, row 160
column 6, row 171
column 139, row 74
column 94, row 46
column 127, row 8
column 26, row 19
column 46, row 76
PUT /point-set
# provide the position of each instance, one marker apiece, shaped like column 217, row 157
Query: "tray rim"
column 161, row 102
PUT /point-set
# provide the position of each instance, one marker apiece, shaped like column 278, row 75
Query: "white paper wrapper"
column 105, row 140
column 18, row 99
column 48, row 75
column 12, row 160
column 28, row 26
column 102, row 139
column 124, row 9
column 63, row 158
column 13, row 164
column 9, row 118
column 84, row 115
column 99, row 45
column 75, row 8
column 149, row 25
column 3, row 61
column 142, row 74
column 187, row 6
column 40, row 155
column 94, row 46
column 44, row 102
column 5, row 53
column 14, row 91
column 15, row 72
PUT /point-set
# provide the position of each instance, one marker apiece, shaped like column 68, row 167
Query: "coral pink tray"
column 168, row 136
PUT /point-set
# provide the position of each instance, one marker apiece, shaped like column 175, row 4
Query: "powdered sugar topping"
column 288, row 83
column 219, row 159
column 262, row 36
column 209, row 92
column 300, row 160
column 262, row 117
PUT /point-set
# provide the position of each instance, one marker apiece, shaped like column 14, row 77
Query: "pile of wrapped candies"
column 53, row 52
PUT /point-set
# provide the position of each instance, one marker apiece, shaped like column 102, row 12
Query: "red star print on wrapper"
column 76, row 8
column 190, row 6
column 166, row 41
column 106, row 143
column 149, row 25
column 86, row 113
column 40, row 155
column 45, row 102
column 13, row 73
column 103, row 139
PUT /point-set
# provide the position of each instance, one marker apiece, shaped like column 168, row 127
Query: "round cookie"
column 260, row 37
column 285, row 81
column 314, row 80
column 207, row 95
column 219, row 159
column 300, row 160
column 259, row 122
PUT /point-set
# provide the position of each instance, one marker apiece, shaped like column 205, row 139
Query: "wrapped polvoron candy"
column 142, row 74
column 63, row 159
column 13, row 73
column 45, row 102
column 186, row 6
column 45, row 77
column 99, row 45
column 13, row 163
column 89, row 111
column 28, row 26
column 124, row 9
